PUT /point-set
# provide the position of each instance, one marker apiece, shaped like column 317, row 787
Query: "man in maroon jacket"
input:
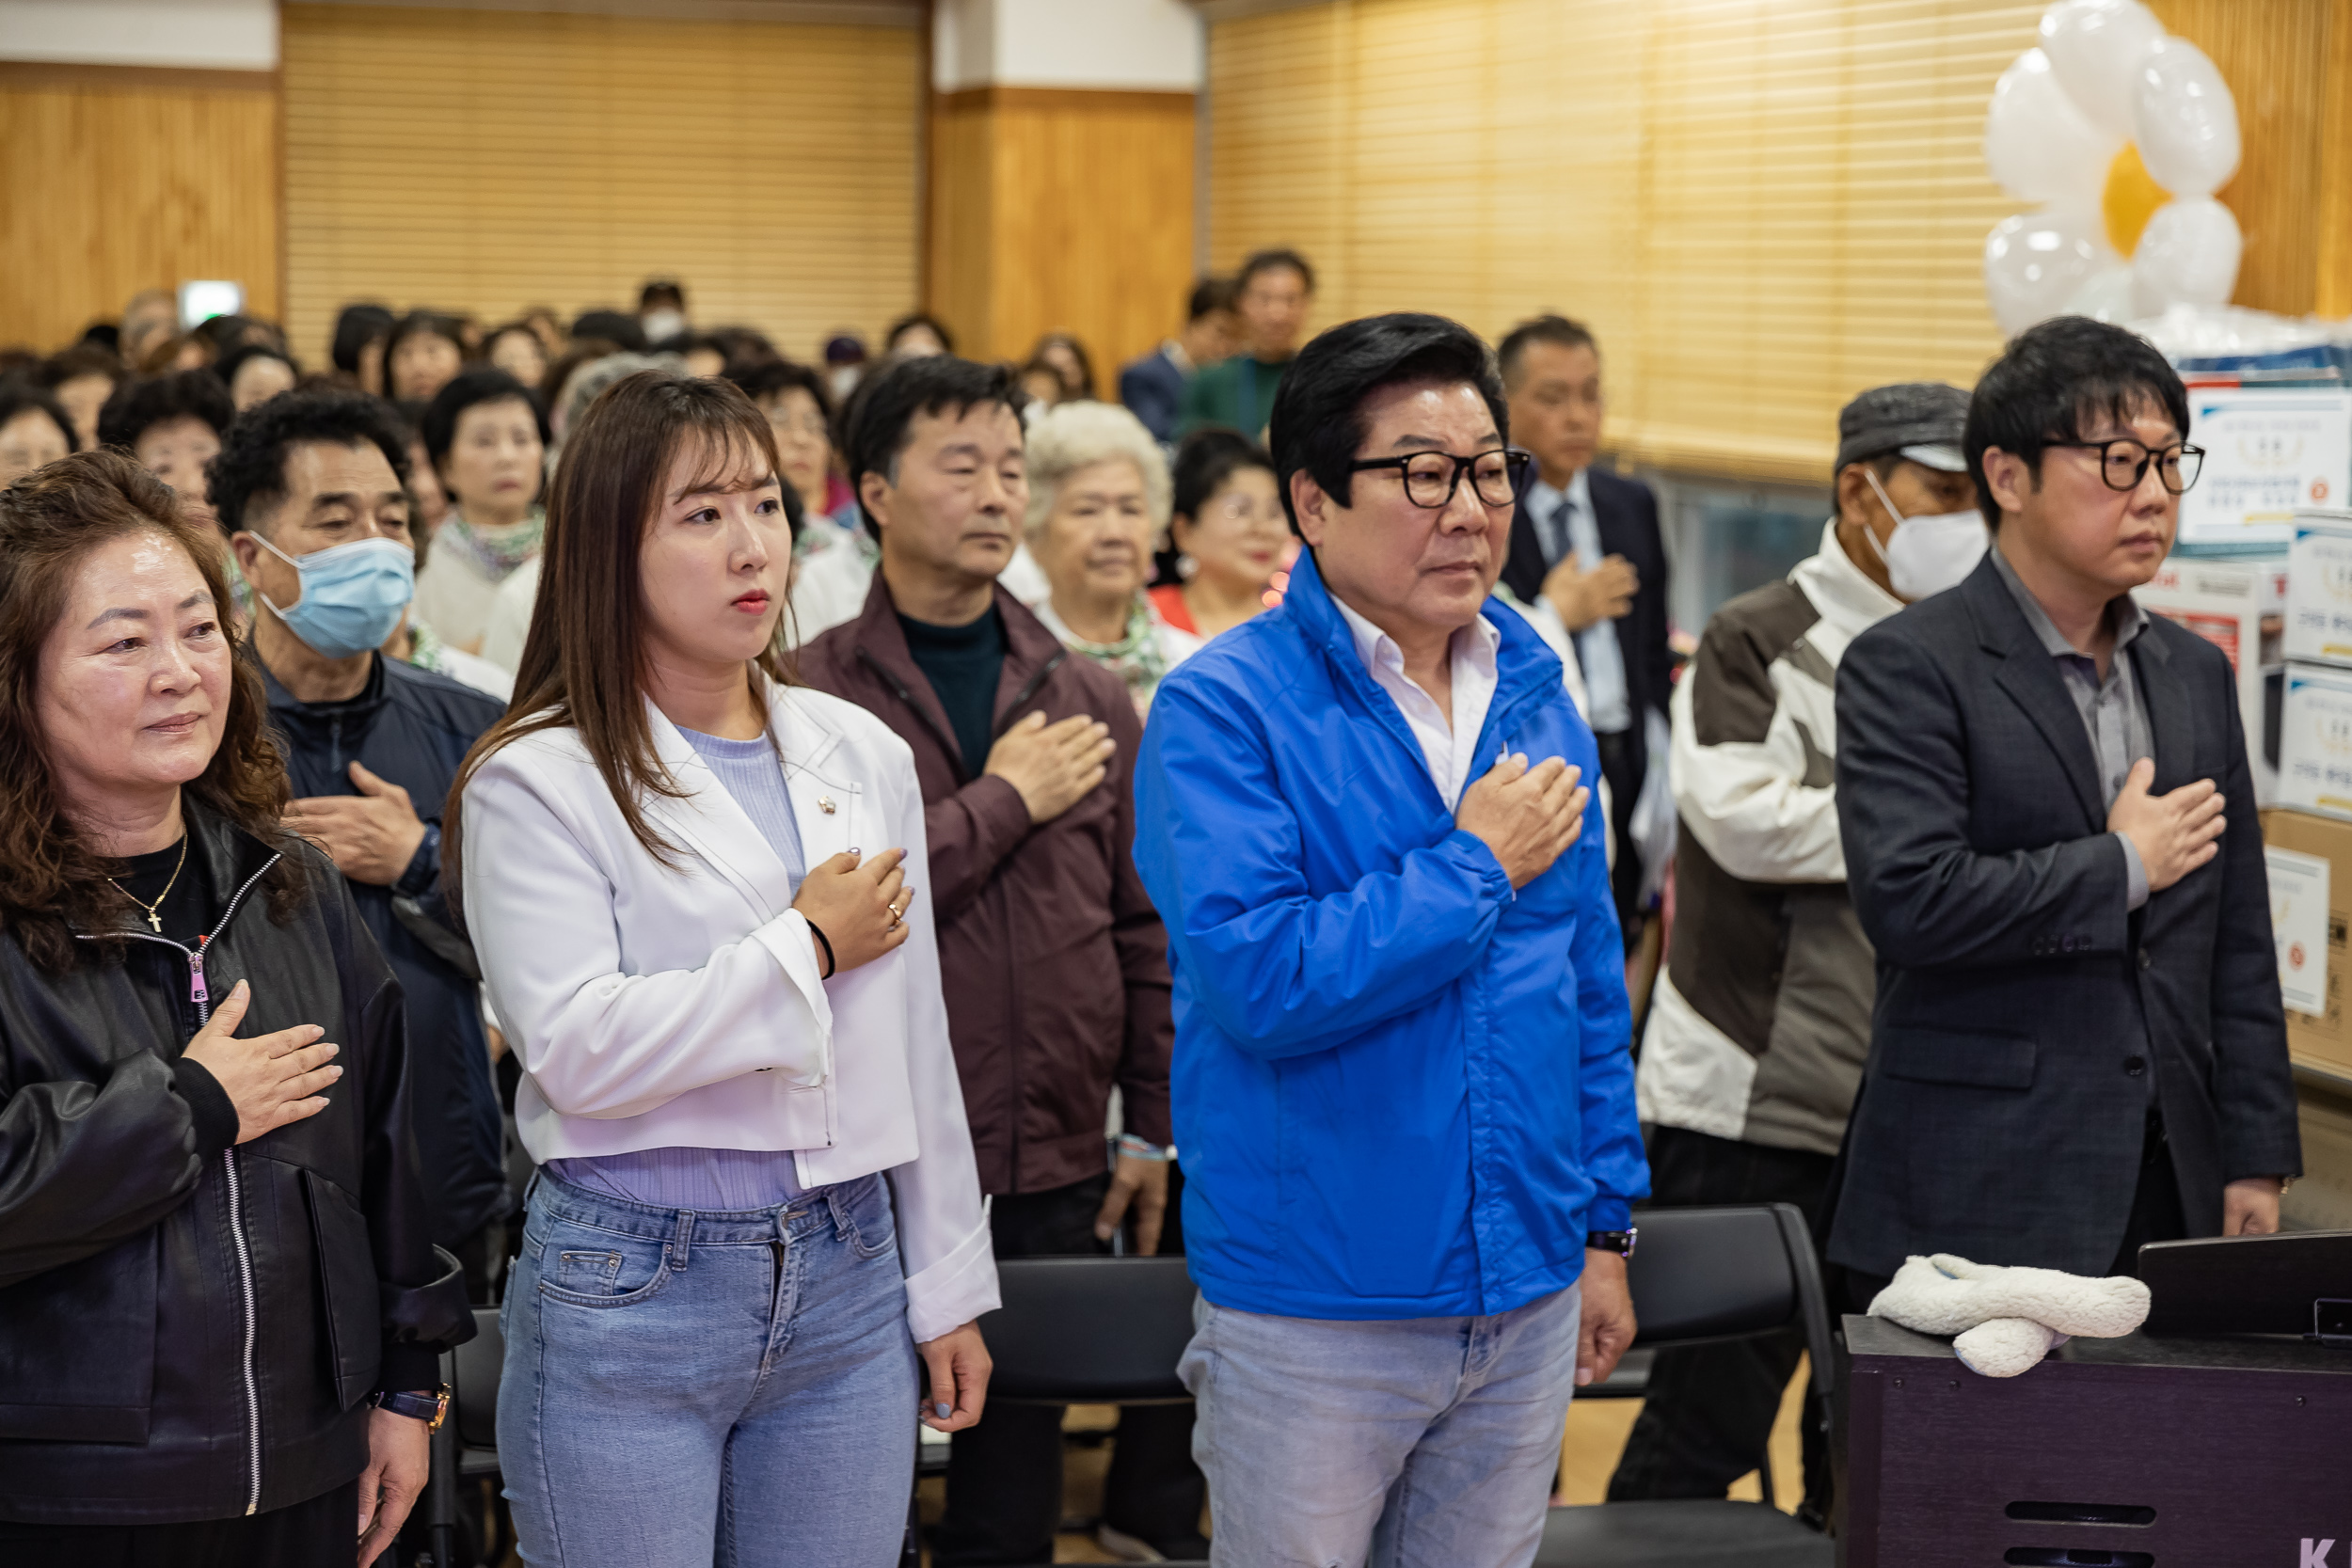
column 1054, row 961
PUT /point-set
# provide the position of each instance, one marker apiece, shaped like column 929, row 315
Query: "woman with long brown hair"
column 221, row 1311
column 684, row 876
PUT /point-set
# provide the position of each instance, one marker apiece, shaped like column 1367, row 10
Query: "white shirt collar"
column 1544, row 500
column 1479, row 641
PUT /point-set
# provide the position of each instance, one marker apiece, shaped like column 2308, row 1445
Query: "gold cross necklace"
column 155, row 910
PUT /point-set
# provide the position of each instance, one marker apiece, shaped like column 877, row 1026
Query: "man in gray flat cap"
column 1760, row 1022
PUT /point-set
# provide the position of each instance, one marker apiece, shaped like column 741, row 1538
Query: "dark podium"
column 2124, row 1453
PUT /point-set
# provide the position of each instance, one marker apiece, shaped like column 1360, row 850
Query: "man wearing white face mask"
column 312, row 489
column 1762, row 1018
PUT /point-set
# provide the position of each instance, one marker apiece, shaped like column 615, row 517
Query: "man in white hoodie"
column 1762, row 1018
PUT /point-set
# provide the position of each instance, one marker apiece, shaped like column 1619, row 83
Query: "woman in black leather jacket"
column 213, row 1251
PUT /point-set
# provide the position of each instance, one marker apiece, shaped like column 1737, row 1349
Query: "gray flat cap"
column 1921, row 419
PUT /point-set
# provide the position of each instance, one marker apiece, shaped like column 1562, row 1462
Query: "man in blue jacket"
column 312, row 488
column 1402, row 1081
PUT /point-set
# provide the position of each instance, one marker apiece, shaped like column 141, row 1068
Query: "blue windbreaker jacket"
column 1400, row 1090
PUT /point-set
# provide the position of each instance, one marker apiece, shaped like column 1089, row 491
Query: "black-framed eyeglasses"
column 1432, row 477
column 2123, row 463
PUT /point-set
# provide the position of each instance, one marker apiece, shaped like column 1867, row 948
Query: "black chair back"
column 1709, row 1275
column 1089, row 1331
column 474, row 1382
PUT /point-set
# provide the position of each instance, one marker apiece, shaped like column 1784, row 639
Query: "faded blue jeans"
column 1415, row 1443
column 735, row 1389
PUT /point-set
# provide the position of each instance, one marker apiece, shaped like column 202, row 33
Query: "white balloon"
column 2036, row 261
column 2187, row 255
column 2184, row 119
column 2108, row 297
column 2096, row 48
column 2037, row 143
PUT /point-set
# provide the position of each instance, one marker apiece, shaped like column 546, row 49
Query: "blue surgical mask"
column 352, row 594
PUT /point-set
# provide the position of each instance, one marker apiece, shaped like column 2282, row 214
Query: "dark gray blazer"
column 2021, row 1008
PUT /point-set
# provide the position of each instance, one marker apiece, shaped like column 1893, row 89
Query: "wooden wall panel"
column 1058, row 209
column 117, row 179
column 2280, row 58
column 490, row 160
column 1761, row 208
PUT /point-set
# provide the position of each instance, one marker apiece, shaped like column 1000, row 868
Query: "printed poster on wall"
column 2268, row 451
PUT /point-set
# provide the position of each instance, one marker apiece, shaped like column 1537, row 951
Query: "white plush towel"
column 2006, row 1319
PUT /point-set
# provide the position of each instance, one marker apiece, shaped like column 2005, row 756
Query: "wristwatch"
column 1619, row 1242
column 431, row 1408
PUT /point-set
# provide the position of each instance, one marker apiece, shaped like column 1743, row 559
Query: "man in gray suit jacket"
column 2051, row 841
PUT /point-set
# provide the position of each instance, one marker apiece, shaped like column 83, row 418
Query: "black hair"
column 742, row 346
column 1084, row 388
column 916, row 319
column 83, row 358
column 2053, row 382
column 764, row 379
column 662, row 291
column 416, row 324
column 613, row 327
column 1208, row 296
column 227, row 366
column 1269, row 260
column 468, row 389
column 18, row 393
column 1206, row 459
column 1318, row 420
column 876, row 423
column 1559, row 331
column 137, row 407
column 356, row 328
column 251, row 468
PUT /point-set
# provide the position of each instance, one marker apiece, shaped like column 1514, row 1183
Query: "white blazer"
column 654, row 1007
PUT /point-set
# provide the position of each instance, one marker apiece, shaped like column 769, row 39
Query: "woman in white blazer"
column 684, row 875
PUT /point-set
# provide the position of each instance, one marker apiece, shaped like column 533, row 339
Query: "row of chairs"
column 1109, row 1331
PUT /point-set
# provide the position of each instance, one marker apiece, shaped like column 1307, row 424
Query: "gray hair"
column 1074, row 435
column 590, row 380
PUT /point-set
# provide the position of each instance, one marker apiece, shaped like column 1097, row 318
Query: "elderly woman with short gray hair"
column 1099, row 496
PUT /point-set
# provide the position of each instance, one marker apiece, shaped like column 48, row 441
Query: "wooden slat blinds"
column 1761, row 206
column 487, row 161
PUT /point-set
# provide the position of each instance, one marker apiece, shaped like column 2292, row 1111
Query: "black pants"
column 1005, row 1475
column 321, row 1533
column 1709, row 1412
column 2157, row 1216
column 1623, row 763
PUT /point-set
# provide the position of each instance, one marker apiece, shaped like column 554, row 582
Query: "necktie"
column 1562, row 533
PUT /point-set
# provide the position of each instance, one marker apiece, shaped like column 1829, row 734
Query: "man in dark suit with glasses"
column 2051, row 842
column 1588, row 541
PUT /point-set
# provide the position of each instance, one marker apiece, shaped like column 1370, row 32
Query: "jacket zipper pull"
column 197, row 993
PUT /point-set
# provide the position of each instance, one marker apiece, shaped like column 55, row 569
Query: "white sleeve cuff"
column 956, row 1288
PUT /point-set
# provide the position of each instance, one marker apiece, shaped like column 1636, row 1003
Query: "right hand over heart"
column 1527, row 816
column 859, row 904
column 272, row 1079
column 2175, row 832
column 1053, row 766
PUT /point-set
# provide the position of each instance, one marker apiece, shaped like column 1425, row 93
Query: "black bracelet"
column 819, row 932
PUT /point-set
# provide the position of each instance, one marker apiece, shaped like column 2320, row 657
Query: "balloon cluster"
column 2121, row 133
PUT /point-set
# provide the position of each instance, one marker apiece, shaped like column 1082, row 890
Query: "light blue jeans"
column 735, row 1389
column 1418, row 1443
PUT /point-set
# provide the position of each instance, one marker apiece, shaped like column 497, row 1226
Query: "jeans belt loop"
column 683, row 1242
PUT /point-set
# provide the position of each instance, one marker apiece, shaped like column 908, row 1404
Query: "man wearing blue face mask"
column 1759, row 1024
column 312, row 489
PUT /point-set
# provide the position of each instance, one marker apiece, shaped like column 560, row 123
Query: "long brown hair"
column 53, row 881
column 584, row 662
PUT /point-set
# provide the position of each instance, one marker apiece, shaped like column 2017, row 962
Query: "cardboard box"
column 2315, row 740
column 2319, row 588
column 2270, row 450
column 2240, row 607
column 2324, row 1038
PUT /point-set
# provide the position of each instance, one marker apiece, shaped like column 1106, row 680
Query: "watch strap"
column 431, row 1408
column 1619, row 1242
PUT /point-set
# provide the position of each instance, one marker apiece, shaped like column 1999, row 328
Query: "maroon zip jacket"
column 1054, row 962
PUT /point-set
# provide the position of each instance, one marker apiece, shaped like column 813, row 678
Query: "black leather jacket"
column 188, row 1327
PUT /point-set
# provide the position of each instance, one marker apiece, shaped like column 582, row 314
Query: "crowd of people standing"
column 836, row 825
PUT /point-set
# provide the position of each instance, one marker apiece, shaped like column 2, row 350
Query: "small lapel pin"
column 824, row 803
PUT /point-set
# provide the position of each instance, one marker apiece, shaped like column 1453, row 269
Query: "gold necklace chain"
column 155, row 910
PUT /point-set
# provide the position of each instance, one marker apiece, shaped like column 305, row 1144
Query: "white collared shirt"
column 1449, row 742
column 1567, row 527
